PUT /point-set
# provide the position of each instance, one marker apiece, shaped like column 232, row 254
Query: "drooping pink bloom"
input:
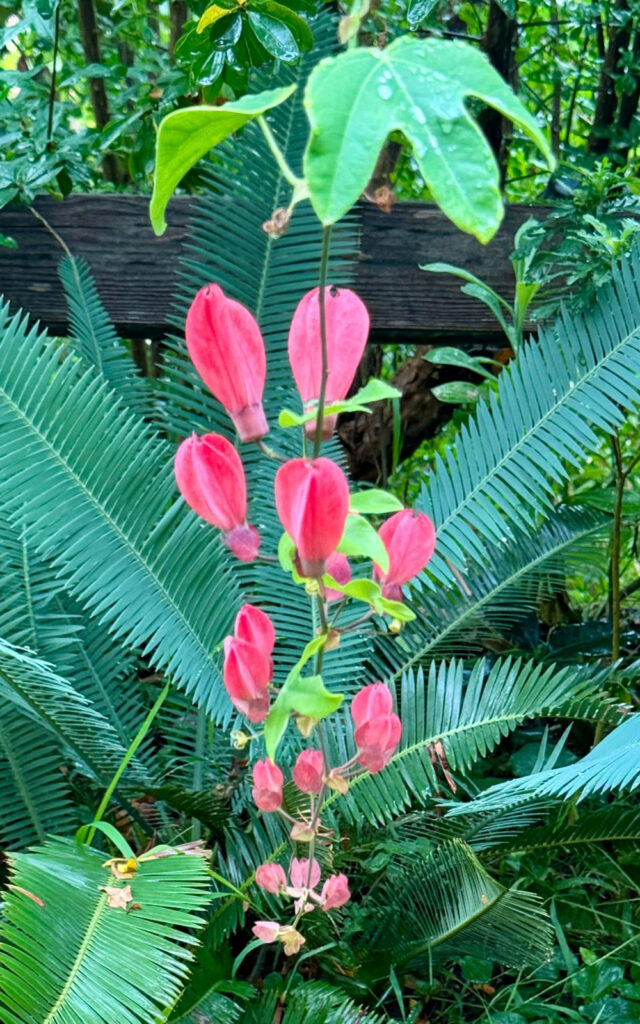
column 371, row 702
column 335, row 892
column 266, row 931
column 211, row 480
column 255, row 626
column 291, row 939
column 227, row 350
column 268, row 781
column 312, row 499
column 347, row 329
column 376, row 740
column 338, row 567
column 308, row 771
column 410, row 539
column 271, row 878
column 247, row 673
column 299, row 873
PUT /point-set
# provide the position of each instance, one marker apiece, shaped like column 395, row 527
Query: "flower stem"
column 324, row 267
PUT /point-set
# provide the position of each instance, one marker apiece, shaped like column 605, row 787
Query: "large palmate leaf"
column 612, row 765
column 447, row 903
column 94, row 489
column 420, row 88
column 186, row 135
column 582, row 373
column 67, row 954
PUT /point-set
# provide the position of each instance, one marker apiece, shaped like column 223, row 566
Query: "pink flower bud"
column 227, row 350
column 410, row 540
column 308, row 771
column 266, row 931
column 299, row 873
column 312, row 499
column 268, row 781
column 211, row 479
column 247, row 673
column 335, row 892
column 370, row 702
column 347, row 328
column 271, row 878
column 376, row 740
column 255, row 626
column 338, row 567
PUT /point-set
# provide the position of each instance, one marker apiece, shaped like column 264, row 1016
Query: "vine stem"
column 278, row 155
column 133, row 746
column 324, row 268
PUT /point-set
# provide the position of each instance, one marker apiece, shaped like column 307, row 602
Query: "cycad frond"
column 447, row 904
column 68, row 955
column 94, row 336
column 607, row 825
column 94, row 489
column 459, row 717
column 614, row 764
column 34, row 795
column 583, row 372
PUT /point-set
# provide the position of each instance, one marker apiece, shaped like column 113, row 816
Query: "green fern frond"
column 583, row 372
column 94, row 336
column 94, row 489
column 447, row 904
column 67, row 955
column 607, row 825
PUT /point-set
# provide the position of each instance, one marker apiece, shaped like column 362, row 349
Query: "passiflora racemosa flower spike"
column 210, row 476
column 347, row 329
column 227, row 350
column 312, row 499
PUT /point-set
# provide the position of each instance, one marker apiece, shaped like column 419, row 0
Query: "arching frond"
column 68, row 950
column 607, row 825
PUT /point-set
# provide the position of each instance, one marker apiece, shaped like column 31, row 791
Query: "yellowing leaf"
column 211, row 15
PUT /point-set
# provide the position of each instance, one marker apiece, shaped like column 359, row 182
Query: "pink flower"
column 347, row 328
column 410, row 540
column 370, row 702
column 266, row 931
column 312, row 499
column 299, row 873
column 268, row 781
column 247, row 673
column 338, row 567
column 227, row 350
column 255, row 626
column 376, row 740
column 308, row 771
column 271, row 878
column 292, row 941
column 211, row 479
column 335, row 892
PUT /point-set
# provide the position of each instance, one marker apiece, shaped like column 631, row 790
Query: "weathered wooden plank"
column 136, row 272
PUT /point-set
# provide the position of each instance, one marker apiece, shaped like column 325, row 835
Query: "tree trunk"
column 629, row 100
column 99, row 102
column 178, row 15
column 607, row 101
column 499, row 43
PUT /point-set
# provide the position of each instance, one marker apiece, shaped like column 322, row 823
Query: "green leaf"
column 276, row 37
column 69, row 956
column 397, row 610
column 374, row 391
column 112, row 834
column 420, row 87
column 418, row 10
column 360, row 538
column 299, row 27
column 186, row 135
column 286, row 551
column 360, row 590
column 449, row 356
column 307, row 696
column 374, row 502
column 456, row 392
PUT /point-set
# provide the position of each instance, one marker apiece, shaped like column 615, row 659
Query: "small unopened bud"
column 395, row 626
column 301, row 833
column 305, row 725
column 333, row 640
column 277, row 226
column 239, row 739
column 334, row 780
column 312, row 587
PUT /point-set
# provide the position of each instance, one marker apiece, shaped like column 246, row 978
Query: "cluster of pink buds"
column 304, row 878
column 248, row 666
column 312, row 500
